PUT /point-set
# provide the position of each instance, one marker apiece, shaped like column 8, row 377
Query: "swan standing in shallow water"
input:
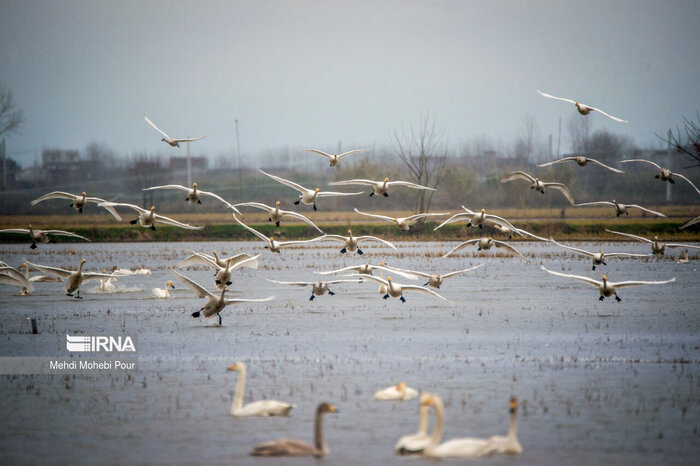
column 334, row 158
column 194, row 195
column 272, row 244
column 398, row 392
column 486, row 243
column 404, row 223
column 582, row 162
column 351, row 243
column 598, row 257
column 275, row 214
column 621, row 208
column 291, row 447
column 583, row 109
column 256, row 408
column 607, row 288
column 163, row 293
column 538, row 185
column 380, row 188
column 77, row 202
column 415, row 443
column 657, row 247
column 174, row 142
column 317, row 288
column 149, row 218
column 394, row 290
column 307, row 196
column 74, row 278
column 41, row 236
column 664, row 173
column 509, row 444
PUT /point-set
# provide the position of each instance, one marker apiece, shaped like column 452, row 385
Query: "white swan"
column 163, row 293
column 307, row 196
column 215, row 303
column 74, row 278
column 41, row 236
column 206, row 259
column 466, row 447
column 657, row 247
column 380, row 188
column 275, row 214
column 538, row 185
column 194, row 195
column 174, row 142
column 395, row 290
column 598, row 257
column 77, row 201
column 334, row 158
column 582, row 162
column 664, row 173
column 272, row 244
column 37, row 278
column 435, row 280
column 683, row 258
column 107, row 284
column 583, row 109
column 398, row 392
column 222, row 277
column 368, row 268
column 478, row 219
column 149, row 218
column 317, row 288
column 256, row 408
column 351, row 243
column 11, row 276
column 291, row 447
column 606, row 288
column 509, row 444
column 403, row 223
column 415, row 443
column 621, row 208
column 486, row 243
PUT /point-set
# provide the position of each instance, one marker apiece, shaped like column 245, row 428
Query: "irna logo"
column 96, row 344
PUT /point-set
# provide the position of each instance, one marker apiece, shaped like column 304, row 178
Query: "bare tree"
column 688, row 144
column 580, row 133
column 424, row 151
column 528, row 145
column 10, row 117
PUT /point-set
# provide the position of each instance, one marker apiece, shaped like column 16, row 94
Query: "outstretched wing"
column 55, row 195
column 289, row 213
column 571, row 248
column 608, row 115
column 563, row 189
column 353, row 182
column 248, row 300
column 460, row 246
column 290, row 283
column 64, row 233
column 21, row 231
column 587, row 280
column 333, row 193
column 457, row 272
column 168, row 186
column 155, row 127
column 420, row 289
column 376, row 279
column 381, row 217
column 189, row 139
column 638, row 238
column 220, row 199
column 291, row 184
column 640, row 283
column 175, row 223
column 653, row 212
column 689, row 182
column 251, row 262
column 409, row 185
column 256, row 205
column 319, row 152
column 517, row 176
column 121, row 204
column 690, row 223
column 196, row 287
column 55, row 271
column 283, row 244
column 565, row 159
column 344, row 269
column 595, row 203
column 657, row 166
column 417, row 216
column 374, row 238
column 15, row 276
column 198, row 258
column 253, row 231
column 556, row 98
column 454, row 218
column 345, row 154
column 598, row 162
column 109, row 209
column 508, row 247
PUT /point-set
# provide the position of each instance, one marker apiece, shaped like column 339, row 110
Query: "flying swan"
column 621, row 208
column 149, row 218
column 42, row 236
column 194, row 195
column 598, row 257
column 486, row 243
column 351, row 243
column 317, row 288
column 167, row 139
column 583, row 109
column 74, row 278
column 664, row 173
column 380, row 188
column 334, row 158
column 582, row 161
column 403, row 223
column 275, row 214
column 538, row 185
column 77, row 202
column 307, row 196
column 272, row 244
column 657, row 247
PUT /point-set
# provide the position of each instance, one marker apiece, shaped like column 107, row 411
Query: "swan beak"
column 483, row 211
column 271, row 238
column 395, row 220
column 214, row 252
column 83, row 261
column 171, row 285
column 278, row 203
column 194, row 185
column 333, row 409
column 382, row 264
column 386, row 179
column 232, row 367
column 513, row 405
column 425, row 399
column 153, row 208
column 318, row 189
column 83, row 193
column 350, row 231
column 389, row 279
column 604, row 277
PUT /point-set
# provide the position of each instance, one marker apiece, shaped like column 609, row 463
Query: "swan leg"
column 33, row 246
column 426, row 283
column 385, row 194
column 219, row 318
column 195, row 314
column 315, row 209
column 617, row 298
column 312, row 297
column 133, row 222
column 359, row 251
column 343, row 251
column 371, row 194
column 297, row 201
column 80, row 211
column 153, row 227
column 593, row 266
column 331, row 293
column 386, row 296
column 601, row 298
column 199, row 201
column 77, row 295
column 670, row 180
column 481, row 225
column 187, row 199
column 218, row 282
column 605, row 263
column 277, row 224
column 657, row 177
column 403, row 300
column 228, row 283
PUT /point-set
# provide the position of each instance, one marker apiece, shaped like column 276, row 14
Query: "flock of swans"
column 421, row 442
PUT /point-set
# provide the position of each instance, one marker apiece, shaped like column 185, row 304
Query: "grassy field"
column 571, row 223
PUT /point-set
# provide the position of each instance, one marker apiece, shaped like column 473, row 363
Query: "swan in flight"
column 368, row 268
column 262, row 408
column 657, row 247
column 518, row 231
column 538, row 185
column 167, row 139
column 435, row 280
column 606, row 288
column 11, row 276
column 215, row 303
column 509, row 444
column 163, row 293
column 272, row 244
column 78, row 202
column 415, row 443
column 621, row 208
column 583, row 109
column 403, row 223
column 582, row 161
column 335, row 158
column 598, row 257
column 477, row 219
column 351, row 243
column 206, row 259
column 42, row 236
column 149, row 218
column 466, row 447
column 222, row 277
column 398, row 392
column 486, row 243
column 307, row 196
column 380, row 188
column 291, row 447
column 275, row 214
column 690, row 223
column 395, row 290
column 317, row 288
column 194, row 195
column 74, row 278
column 664, row 173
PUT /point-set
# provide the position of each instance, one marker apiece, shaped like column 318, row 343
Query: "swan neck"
column 80, row 267
column 439, row 419
column 423, row 426
column 240, row 386
column 318, row 433
column 513, row 426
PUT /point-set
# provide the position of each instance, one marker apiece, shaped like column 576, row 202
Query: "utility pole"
column 238, row 154
column 559, row 140
column 4, row 165
column 668, row 164
column 189, row 167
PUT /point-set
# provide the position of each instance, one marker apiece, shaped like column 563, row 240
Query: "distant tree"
column 10, row 118
column 528, row 145
column 424, row 151
column 687, row 143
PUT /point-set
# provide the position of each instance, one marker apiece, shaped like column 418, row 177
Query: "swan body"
column 205, row 259
column 380, row 188
column 657, row 247
column 256, row 408
column 215, row 303
column 398, row 392
column 291, row 447
column 538, row 185
column 583, row 109
column 403, row 223
column 509, row 444
column 174, row 142
column 486, row 243
column 272, row 244
column 478, row 219
column 74, row 278
column 41, row 236
column 608, row 288
column 78, row 202
column 275, row 214
column 222, row 277
column 307, row 196
column 598, row 257
column 395, row 290
column 194, row 195
column 435, row 280
column 149, row 218
column 351, row 243
column 333, row 159
column 415, row 443
column 317, row 288
column 582, row 162
column 664, row 173
column 620, row 208
column 163, row 293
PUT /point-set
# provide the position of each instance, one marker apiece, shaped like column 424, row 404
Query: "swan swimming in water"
column 256, row 408
column 398, row 392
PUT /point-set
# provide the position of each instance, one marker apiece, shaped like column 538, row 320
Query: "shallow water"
column 597, row 381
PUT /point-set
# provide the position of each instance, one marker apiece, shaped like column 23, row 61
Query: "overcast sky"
column 307, row 73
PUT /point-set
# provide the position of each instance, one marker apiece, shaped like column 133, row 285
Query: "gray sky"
column 308, row 73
